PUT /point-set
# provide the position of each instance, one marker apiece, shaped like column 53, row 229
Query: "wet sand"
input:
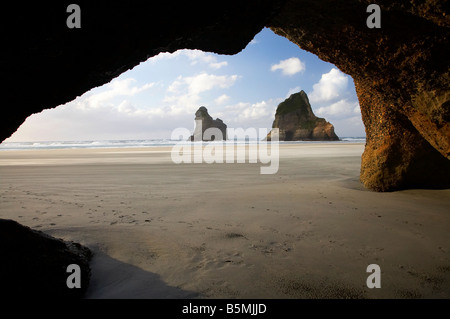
column 165, row 230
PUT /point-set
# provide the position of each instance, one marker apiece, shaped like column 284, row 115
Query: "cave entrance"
column 163, row 93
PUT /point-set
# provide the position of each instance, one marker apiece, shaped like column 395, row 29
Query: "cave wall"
column 400, row 71
column 401, row 75
column 45, row 64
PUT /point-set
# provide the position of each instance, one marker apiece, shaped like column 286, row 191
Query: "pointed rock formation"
column 207, row 129
column 297, row 122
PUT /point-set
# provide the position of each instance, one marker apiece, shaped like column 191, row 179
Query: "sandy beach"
column 164, row 230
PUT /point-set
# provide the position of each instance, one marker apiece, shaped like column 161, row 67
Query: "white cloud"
column 185, row 93
column 201, row 82
column 292, row 91
column 218, row 65
column 125, row 121
column 122, row 87
column 332, row 99
column 194, row 56
column 332, row 85
column 349, row 126
column 188, row 102
column 176, row 85
column 245, row 114
column 204, row 82
column 289, row 66
column 345, row 115
column 198, row 55
column 118, row 87
column 126, row 107
column 257, row 111
column 221, row 99
column 164, row 56
column 340, row 108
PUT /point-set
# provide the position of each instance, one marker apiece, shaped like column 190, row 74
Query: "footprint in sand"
column 234, row 235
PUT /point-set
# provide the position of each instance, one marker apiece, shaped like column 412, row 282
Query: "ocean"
column 8, row 146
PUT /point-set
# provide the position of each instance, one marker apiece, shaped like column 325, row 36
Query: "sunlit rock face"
column 296, row 121
column 401, row 74
column 400, row 70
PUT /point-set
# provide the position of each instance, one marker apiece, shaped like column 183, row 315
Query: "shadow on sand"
column 113, row 279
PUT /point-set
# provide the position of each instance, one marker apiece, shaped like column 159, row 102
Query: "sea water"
column 5, row 146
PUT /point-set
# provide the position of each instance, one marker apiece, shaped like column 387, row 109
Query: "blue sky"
column 163, row 93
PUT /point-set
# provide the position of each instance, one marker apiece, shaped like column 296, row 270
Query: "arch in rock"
column 401, row 70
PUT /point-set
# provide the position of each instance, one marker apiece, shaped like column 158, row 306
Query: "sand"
column 165, row 230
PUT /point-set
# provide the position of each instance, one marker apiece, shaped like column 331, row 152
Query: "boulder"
column 34, row 264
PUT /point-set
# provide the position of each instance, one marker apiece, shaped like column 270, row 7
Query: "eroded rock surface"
column 208, row 129
column 401, row 74
column 296, row 121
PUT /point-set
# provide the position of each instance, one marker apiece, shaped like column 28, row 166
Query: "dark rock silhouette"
column 208, row 129
column 296, row 121
column 34, row 264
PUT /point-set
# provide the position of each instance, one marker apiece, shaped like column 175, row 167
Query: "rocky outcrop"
column 296, row 121
column 34, row 265
column 400, row 70
column 207, row 129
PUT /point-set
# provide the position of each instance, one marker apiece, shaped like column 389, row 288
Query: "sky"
column 163, row 93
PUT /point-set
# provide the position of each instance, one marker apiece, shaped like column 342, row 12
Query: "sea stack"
column 296, row 121
column 207, row 129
